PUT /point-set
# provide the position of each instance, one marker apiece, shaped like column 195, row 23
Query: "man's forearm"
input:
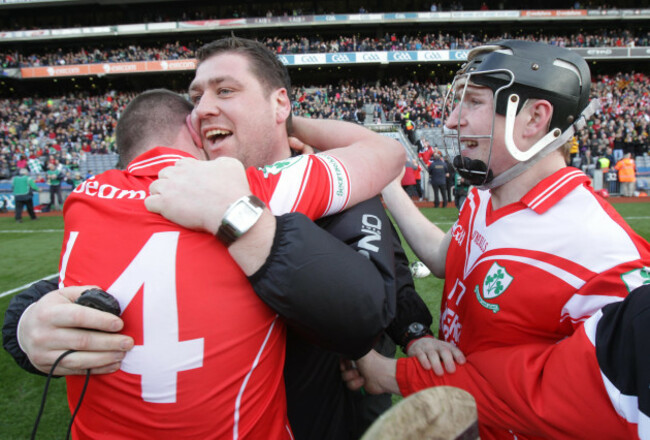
column 253, row 248
column 17, row 307
column 328, row 292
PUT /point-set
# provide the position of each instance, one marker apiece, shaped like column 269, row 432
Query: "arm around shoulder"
column 371, row 159
column 324, row 289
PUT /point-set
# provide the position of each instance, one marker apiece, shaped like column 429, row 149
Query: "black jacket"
column 319, row 404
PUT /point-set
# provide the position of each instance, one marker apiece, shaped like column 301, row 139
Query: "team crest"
column 278, row 167
column 495, row 283
column 636, row 278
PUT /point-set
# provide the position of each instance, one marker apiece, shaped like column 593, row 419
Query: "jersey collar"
column 553, row 189
column 154, row 160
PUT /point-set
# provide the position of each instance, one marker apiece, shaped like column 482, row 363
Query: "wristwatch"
column 414, row 331
column 240, row 216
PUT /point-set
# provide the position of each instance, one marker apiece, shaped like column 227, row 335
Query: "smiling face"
column 234, row 115
column 472, row 118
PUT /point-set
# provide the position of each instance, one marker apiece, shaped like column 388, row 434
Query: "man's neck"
column 513, row 190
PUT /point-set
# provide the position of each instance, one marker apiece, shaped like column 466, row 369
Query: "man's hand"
column 434, row 353
column 374, row 372
column 299, row 146
column 55, row 324
column 195, row 194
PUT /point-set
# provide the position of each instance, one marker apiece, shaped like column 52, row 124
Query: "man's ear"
column 537, row 114
column 282, row 105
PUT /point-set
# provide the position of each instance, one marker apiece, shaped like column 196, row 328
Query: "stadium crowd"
column 319, row 44
column 63, row 129
column 223, row 10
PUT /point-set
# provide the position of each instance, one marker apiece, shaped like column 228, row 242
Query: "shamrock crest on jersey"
column 495, row 283
column 636, row 278
column 278, row 167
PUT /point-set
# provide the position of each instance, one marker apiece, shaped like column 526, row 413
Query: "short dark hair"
column 264, row 64
column 152, row 117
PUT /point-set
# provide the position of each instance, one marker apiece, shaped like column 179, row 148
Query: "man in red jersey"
column 206, row 349
column 537, row 266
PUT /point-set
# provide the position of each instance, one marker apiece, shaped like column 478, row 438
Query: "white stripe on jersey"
column 339, row 184
column 562, row 274
column 548, row 192
column 290, row 186
column 171, row 158
column 580, row 306
column 626, row 406
column 235, row 429
column 590, row 326
column 578, row 217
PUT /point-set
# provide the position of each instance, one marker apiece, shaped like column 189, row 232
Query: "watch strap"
column 409, row 335
column 226, row 234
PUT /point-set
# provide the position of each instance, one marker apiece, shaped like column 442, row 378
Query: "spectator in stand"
column 23, row 187
column 626, row 168
column 425, row 151
column 587, row 162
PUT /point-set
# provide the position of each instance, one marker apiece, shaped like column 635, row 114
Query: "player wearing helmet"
column 536, row 267
column 515, row 76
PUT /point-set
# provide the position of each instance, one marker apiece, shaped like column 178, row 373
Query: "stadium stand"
column 69, row 70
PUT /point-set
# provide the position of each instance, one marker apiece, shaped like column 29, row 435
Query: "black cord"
column 47, row 385
column 81, row 398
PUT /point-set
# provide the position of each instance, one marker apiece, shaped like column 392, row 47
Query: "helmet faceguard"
column 516, row 71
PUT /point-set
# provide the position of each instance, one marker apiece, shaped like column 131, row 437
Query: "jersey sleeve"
column 315, row 185
column 546, row 390
column 15, row 310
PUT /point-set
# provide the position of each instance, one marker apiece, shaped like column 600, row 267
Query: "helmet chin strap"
column 542, row 148
column 475, row 171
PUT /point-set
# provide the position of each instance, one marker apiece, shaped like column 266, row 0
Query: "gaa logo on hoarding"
column 599, row 52
column 428, row 55
column 370, row 57
column 341, row 58
column 402, row 56
column 460, row 54
column 308, row 59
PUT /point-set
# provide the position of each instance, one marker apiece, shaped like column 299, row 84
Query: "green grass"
column 30, row 251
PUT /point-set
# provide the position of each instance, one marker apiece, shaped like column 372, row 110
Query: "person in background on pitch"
column 409, row 183
column 549, row 315
column 626, row 174
column 54, row 177
column 23, row 186
column 438, row 173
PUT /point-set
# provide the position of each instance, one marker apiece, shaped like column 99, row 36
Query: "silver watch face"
column 416, row 328
column 242, row 217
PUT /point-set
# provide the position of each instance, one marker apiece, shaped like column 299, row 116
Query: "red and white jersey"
column 519, row 280
column 209, row 354
column 533, row 270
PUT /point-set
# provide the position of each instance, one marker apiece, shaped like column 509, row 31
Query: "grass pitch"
column 30, row 251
